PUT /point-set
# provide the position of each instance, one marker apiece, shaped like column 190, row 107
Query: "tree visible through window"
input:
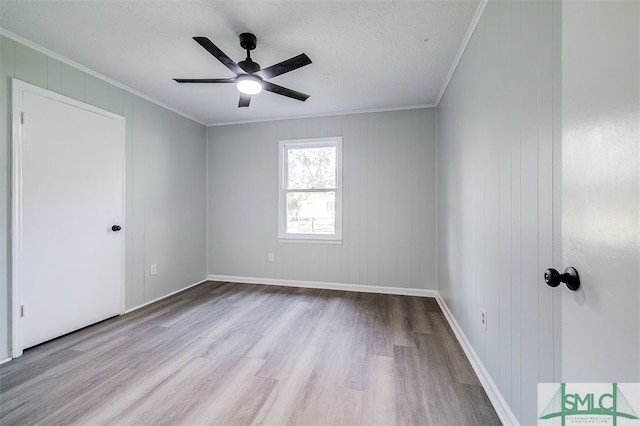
column 310, row 194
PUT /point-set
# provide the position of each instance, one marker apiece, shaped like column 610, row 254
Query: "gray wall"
column 601, row 190
column 497, row 135
column 165, row 179
column 389, row 201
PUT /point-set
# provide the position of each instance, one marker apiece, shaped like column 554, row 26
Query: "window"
column 310, row 193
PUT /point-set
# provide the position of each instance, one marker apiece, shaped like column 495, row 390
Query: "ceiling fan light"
column 249, row 84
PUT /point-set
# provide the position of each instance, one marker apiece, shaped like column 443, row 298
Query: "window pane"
column 311, row 213
column 311, row 168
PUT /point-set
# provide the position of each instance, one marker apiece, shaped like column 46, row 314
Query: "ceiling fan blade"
column 284, row 66
column 244, row 101
column 219, row 55
column 205, row 80
column 274, row 88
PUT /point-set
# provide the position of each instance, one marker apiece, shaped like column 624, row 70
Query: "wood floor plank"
column 460, row 367
column 282, row 332
column 18, row 373
column 345, row 408
column 172, row 347
column 419, row 316
column 172, row 399
column 66, row 390
column 442, row 404
column 327, row 373
column 379, row 339
column 237, row 399
column 288, row 393
column 357, row 349
column 476, row 408
column 380, row 394
column 322, row 329
column 74, row 410
column 237, row 354
column 409, row 396
column 431, row 304
column 400, row 321
column 22, row 384
column 347, row 313
column 117, row 403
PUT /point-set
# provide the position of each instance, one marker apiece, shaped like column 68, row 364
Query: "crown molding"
column 331, row 114
column 463, row 47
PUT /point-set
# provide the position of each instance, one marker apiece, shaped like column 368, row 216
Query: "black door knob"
column 570, row 277
column 552, row 277
column 116, row 228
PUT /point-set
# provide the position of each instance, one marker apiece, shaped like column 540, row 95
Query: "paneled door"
column 68, row 210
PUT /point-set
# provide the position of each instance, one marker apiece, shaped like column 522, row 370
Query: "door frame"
column 18, row 87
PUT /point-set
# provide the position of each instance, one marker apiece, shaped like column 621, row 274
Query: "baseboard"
column 403, row 291
column 499, row 404
column 2, row 361
column 163, row 297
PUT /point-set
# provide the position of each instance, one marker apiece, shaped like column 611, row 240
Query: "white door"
column 69, row 194
column 601, row 190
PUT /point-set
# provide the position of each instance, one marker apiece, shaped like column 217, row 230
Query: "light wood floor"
column 238, row 354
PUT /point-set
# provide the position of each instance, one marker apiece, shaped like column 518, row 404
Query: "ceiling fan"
column 250, row 79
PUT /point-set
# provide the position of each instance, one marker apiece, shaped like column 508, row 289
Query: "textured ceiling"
column 367, row 55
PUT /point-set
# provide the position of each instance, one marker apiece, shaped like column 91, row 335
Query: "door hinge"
column 22, row 117
column 21, row 310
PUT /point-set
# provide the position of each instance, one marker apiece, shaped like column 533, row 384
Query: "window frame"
column 283, row 147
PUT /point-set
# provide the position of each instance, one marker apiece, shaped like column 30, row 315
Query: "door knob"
column 116, row 228
column 570, row 277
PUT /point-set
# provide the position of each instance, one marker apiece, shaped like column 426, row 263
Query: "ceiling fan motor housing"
column 248, row 41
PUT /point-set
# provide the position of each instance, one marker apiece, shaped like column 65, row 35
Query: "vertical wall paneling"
column 73, row 82
column 389, row 201
column 516, row 53
column 529, row 271
column 54, row 75
column 165, row 154
column 137, row 262
column 546, row 116
column 30, row 66
column 496, row 197
column 96, row 92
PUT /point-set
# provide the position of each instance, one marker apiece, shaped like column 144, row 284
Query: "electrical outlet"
column 271, row 257
column 483, row 318
column 153, row 269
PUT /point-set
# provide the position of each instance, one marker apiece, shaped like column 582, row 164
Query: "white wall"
column 165, row 179
column 601, row 190
column 497, row 134
column 389, row 201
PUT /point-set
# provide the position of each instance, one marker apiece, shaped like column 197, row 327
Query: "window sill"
column 309, row 241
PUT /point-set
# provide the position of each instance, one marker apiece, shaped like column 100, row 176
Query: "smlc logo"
column 588, row 403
